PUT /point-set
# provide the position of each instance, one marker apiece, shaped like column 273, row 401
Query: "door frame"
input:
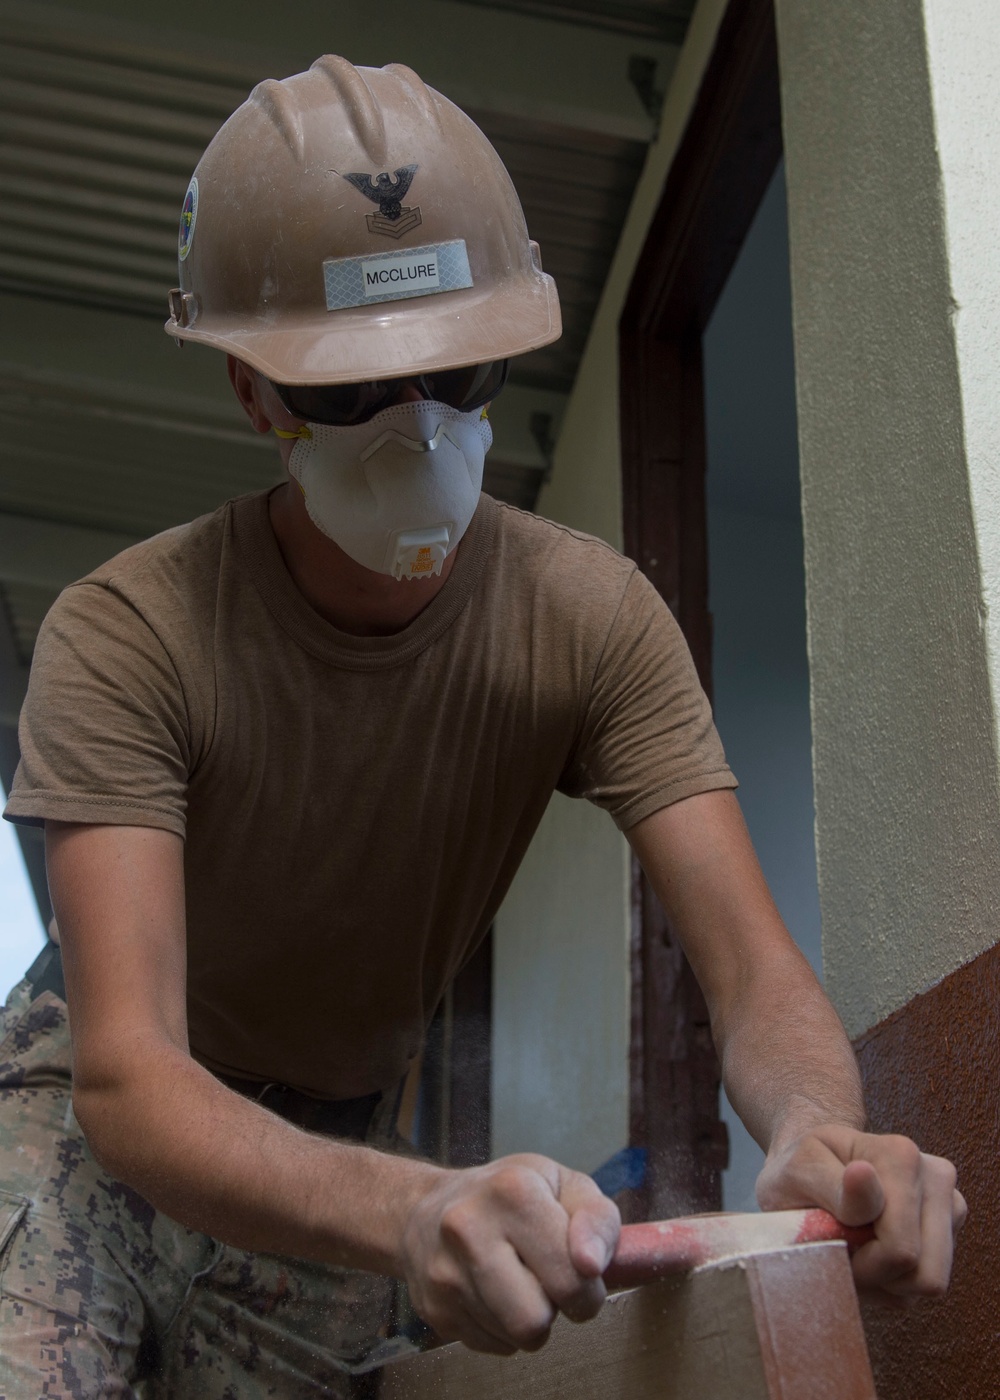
column 720, row 173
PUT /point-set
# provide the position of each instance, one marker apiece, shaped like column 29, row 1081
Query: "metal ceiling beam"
column 93, row 384
column 512, row 59
column 48, row 554
column 637, row 21
column 13, row 673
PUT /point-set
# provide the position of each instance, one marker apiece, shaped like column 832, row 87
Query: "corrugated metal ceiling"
column 97, row 148
column 113, row 463
column 98, row 137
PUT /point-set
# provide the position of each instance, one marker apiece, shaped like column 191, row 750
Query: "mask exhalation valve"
column 421, row 553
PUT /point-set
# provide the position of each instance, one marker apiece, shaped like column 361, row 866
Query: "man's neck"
column 354, row 599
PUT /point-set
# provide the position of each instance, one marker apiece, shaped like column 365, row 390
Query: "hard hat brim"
column 392, row 339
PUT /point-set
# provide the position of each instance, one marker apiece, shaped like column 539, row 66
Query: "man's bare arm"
column 783, row 1049
column 152, row 1115
column 490, row 1253
column 787, row 1064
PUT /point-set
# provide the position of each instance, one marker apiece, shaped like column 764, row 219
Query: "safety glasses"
column 341, row 405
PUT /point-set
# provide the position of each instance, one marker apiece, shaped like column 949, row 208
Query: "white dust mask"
column 396, row 493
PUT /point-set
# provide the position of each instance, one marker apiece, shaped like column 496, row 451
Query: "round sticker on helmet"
column 189, row 216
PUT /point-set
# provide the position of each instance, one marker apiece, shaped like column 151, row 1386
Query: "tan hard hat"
column 350, row 223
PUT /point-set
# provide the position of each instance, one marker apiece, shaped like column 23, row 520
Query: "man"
column 288, row 758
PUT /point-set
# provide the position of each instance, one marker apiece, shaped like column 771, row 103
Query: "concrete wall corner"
column 902, row 538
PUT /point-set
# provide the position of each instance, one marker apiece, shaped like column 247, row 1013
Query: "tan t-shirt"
column 354, row 808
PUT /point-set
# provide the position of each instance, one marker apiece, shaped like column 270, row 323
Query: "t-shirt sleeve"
column 647, row 738
column 104, row 728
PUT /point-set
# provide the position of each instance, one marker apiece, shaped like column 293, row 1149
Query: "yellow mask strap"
column 304, row 432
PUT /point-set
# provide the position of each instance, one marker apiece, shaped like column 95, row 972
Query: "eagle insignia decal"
column 394, row 218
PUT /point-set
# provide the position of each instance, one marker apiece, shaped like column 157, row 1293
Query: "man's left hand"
column 865, row 1178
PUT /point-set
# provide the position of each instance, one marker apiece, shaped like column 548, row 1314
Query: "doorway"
column 756, row 593
column 718, row 183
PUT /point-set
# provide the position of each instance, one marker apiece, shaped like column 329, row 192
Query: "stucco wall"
column 932, row 1071
column 561, row 971
column 896, row 440
column 963, row 44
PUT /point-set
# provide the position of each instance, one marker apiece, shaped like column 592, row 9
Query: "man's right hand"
column 491, row 1254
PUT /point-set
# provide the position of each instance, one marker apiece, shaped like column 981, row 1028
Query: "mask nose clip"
column 421, row 444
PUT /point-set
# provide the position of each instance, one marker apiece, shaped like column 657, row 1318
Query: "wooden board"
column 776, row 1326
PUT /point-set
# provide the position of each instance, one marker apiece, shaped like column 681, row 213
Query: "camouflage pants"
column 103, row 1296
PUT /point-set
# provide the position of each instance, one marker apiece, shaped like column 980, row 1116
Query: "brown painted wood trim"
column 723, row 166
column 809, row 1328
column 663, row 463
column 469, row 1103
column 675, row 1113
column 781, row 1326
column 446, row 1107
column 932, row 1071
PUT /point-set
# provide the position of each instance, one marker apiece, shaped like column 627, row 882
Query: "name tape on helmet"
column 419, row 272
